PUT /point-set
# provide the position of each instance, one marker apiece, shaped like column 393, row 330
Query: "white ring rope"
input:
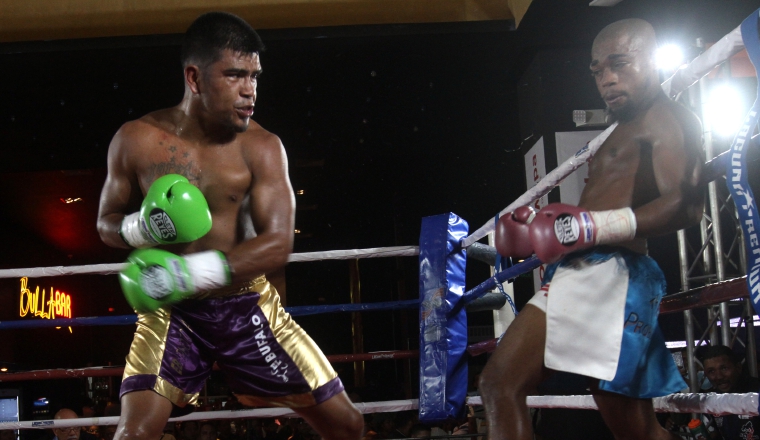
column 107, row 269
column 364, row 408
column 715, row 404
column 684, row 77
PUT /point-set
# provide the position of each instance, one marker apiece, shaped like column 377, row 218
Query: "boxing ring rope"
column 715, row 404
column 705, row 403
column 109, row 269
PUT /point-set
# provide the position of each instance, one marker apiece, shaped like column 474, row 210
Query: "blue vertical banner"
column 443, row 320
column 736, row 170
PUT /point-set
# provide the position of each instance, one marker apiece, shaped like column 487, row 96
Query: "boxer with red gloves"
column 559, row 229
column 596, row 313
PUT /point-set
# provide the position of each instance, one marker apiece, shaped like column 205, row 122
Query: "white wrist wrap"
column 615, row 226
column 135, row 233
column 208, row 270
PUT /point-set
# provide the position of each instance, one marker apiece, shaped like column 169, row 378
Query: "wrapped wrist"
column 208, row 270
column 135, row 233
column 614, row 226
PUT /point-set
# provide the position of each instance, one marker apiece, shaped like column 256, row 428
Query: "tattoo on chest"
column 185, row 168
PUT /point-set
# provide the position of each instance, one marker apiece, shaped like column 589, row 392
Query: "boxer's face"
column 623, row 72
column 228, row 88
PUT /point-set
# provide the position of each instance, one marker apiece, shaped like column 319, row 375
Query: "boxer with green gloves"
column 173, row 211
column 202, row 296
column 154, row 278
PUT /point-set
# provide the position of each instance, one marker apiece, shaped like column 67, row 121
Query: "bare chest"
column 618, row 155
column 617, row 171
column 220, row 172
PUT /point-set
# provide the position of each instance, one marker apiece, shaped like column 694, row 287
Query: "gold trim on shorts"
column 304, row 352
column 150, row 342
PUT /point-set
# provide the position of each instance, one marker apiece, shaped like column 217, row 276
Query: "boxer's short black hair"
column 212, row 33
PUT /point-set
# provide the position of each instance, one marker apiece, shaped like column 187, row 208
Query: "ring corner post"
column 443, row 322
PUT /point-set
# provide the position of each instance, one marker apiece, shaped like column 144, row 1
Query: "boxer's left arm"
column 677, row 164
column 272, row 211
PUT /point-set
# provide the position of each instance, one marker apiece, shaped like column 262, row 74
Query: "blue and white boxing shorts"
column 601, row 321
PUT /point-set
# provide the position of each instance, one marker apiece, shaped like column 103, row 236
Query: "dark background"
column 383, row 125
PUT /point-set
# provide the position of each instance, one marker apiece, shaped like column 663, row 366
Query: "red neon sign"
column 58, row 304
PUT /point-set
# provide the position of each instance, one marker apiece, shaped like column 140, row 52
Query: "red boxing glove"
column 512, row 233
column 560, row 229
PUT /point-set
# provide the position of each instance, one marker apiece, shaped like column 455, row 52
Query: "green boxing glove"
column 154, row 278
column 173, row 211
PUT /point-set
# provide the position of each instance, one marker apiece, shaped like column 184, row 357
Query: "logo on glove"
column 156, row 282
column 566, row 229
column 162, row 225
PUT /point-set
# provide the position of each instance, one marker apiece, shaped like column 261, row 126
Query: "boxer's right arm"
column 121, row 192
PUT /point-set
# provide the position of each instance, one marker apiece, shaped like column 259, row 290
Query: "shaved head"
column 637, row 33
column 623, row 66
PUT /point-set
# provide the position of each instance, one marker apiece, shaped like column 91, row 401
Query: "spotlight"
column 725, row 110
column 668, row 57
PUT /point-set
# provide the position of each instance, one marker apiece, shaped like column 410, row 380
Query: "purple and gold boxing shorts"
column 266, row 357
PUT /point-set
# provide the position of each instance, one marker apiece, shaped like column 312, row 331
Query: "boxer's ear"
column 192, row 74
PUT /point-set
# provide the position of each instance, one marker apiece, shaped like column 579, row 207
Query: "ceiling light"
column 668, row 57
column 68, row 200
column 725, row 110
column 299, row 192
column 4, row 369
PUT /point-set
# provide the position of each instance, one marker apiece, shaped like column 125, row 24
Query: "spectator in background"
column 208, row 431
column 91, row 432
column 66, row 433
column 189, row 430
column 724, row 371
column 419, row 431
column 403, row 421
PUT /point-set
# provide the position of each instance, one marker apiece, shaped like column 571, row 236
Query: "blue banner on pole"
column 443, row 321
column 736, row 170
